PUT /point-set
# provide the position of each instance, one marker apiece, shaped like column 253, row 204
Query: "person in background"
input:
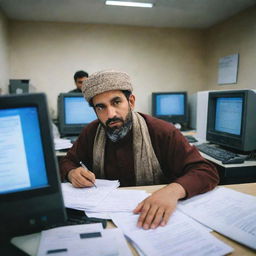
column 137, row 149
column 79, row 77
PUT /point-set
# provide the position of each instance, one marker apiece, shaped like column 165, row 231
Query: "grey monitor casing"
column 32, row 210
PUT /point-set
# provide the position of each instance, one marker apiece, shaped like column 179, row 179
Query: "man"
column 79, row 77
column 136, row 149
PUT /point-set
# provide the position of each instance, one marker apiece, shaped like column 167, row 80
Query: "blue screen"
column 78, row 111
column 22, row 161
column 229, row 115
column 170, row 104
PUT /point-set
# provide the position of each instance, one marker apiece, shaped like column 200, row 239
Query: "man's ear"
column 132, row 101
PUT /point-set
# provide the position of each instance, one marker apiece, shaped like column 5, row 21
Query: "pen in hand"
column 81, row 163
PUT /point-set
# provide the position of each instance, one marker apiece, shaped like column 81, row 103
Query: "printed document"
column 83, row 198
column 227, row 211
column 181, row 236
column 118, row 200
column 121, row 200
column 86, row 239
column 13, row 161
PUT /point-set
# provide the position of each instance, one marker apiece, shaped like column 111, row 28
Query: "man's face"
column 113, row 109
column 79, row 82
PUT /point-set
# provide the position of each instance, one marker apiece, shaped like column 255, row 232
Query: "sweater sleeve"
column 80, row 151
column 191, row 170
column 180, row 161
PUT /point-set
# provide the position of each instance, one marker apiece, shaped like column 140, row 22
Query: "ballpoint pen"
column 82, row 164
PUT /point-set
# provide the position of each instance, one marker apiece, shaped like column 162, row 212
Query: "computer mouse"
column 235, row 160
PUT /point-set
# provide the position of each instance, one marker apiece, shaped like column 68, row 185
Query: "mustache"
column 114, row 119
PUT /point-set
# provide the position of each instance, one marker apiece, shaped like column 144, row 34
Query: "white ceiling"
column 166, row 13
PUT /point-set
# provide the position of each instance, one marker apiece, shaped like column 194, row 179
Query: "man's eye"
column 117, row 102
column 99, row 108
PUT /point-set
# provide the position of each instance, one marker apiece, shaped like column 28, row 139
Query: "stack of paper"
column 62, row 143
column 117, row 201
column 181, row 236
column 87, row 239
column 84, row 198
column 229, row 212
column 103, row 199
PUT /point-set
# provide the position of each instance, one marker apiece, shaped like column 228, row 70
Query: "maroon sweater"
column 179, row 161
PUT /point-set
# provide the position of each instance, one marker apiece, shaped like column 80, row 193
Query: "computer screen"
column 170, row 106
column 229, row 115
column 27, row 170
column 30, row 194
column 231, row 119
column 74, row 113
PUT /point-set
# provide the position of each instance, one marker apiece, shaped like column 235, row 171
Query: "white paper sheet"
column 83, row 198
column 229, row 212
column 62, row 143
column 116, row 236
column 64, row 240
column 121, row 200
column 89, row 240
column 181, row 236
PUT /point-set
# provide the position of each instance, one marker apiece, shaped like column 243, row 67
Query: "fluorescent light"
column 130, row 4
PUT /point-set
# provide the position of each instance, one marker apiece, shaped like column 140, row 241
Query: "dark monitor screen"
column 170, row 106
column 30, row 193
column 74, row 113
column 231, row 119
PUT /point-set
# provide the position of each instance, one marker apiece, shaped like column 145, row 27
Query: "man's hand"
column 156, row 209
column 80, row 177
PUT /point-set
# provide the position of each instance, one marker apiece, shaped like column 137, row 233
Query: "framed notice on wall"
column 228, row 68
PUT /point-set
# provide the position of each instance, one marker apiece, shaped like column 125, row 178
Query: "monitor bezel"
column 225, row 139
column 31, row 210
column 181, row 119
column 38, row 101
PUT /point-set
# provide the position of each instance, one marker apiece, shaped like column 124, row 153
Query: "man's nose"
column 111, row 112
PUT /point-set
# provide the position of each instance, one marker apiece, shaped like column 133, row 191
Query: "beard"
column 117, row 133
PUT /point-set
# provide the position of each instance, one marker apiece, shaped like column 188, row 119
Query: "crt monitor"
column 231, row 119
column 170, row 106
column 30, row 193
column 74, row 113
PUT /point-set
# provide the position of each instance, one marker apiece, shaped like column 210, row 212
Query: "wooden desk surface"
column 30, row 243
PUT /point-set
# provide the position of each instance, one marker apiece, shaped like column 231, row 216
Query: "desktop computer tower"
column 192, row 103
column 198, row 107
column 18, row 86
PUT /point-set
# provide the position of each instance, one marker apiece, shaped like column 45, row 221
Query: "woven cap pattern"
column 104, row 81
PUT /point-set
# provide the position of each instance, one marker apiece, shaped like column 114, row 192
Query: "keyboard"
column 225, row 156
column 77, row 217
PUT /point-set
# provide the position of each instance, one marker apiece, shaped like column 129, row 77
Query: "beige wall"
column 4, row 54
column 237, row 35
column 157, row 59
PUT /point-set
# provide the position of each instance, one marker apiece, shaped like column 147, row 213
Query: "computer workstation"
column 171, row 107
column 230, row 140
column 30, row 192
column 74, row 113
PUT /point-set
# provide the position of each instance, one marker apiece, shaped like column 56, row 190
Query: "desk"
column 229, row 173
column 30, row 243
column 234, row 173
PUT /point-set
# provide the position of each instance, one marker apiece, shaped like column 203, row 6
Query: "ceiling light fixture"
column 130, row 4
